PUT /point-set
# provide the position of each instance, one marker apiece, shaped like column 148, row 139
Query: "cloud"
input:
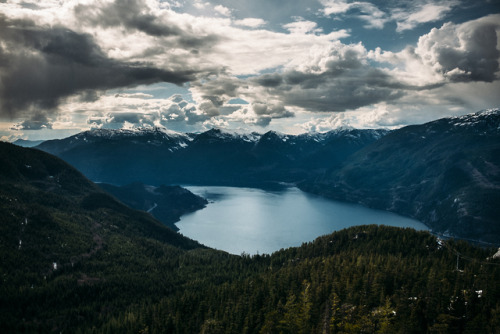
column 406, row 14
column 335, row 79
column 429, row 12
column 335, row 121
column 466, row 52
column 137, row 15
column 271, row 110
column 200, row 4
column 82, row 60
column 38, row 121
column 132, row 110
column 302, row 27
column 222, row 10
column 335, row 6
column 346, row 77
column 250, row 22
column 365, row 11
column 42, row 65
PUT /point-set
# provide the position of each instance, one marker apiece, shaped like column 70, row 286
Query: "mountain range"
column 158, row 156
column 445, row 173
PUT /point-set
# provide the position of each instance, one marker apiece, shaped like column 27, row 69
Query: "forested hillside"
column 76, row 260
column 165, row 203
column 366, row 279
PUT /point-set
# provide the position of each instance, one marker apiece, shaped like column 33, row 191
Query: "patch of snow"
column 241, row 134
column 496, row 255
column 150, row 189
column 152, row 208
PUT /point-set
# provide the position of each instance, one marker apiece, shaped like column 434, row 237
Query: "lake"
column 250, row 220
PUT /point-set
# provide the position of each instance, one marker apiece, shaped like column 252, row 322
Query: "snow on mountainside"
column 481, row 119
column 446, row 173
column 140, row 132
column 217, row 135
column 481, row 122
column 148, row 136
column 216, row 156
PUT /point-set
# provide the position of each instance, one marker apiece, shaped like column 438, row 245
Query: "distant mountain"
column 446, row 173
column 157, row 156
column 165, row 203
column 27, row 143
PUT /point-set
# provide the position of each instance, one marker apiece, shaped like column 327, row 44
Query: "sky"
column 290, row 66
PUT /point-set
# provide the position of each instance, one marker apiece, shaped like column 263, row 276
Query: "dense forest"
column 74, row 259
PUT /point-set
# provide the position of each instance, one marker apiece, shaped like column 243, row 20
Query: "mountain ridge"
column 445, row 173
column 213, row 157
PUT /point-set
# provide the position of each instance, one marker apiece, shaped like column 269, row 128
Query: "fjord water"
column 254, row 221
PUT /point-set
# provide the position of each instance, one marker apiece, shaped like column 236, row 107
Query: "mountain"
column 59, row 228
column 76, row 260
column 158, row 156
column 36, row 184
column 445, row 173
column 27, row 143
column 165, row 203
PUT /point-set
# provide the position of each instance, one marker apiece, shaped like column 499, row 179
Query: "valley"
column 445, row 173
column 76, row 259
column 249, row 167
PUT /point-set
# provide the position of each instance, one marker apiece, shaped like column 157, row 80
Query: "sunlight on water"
column 253, row 220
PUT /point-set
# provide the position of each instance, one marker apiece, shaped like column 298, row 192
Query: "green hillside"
column 88, row 264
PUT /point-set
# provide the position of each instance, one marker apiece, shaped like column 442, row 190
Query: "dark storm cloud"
column 480, row 58
column 269, row 80
column 339, row 88
column 135, row 15
column 37, row 121
column 39, row 66
column 271, row 110
column 127, row 13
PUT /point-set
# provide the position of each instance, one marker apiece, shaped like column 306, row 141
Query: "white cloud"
column 250, row 22
column 369, row 13
column 429, row 12
column 302, row 27
column 407, row 17
column 222, row 10
column 200, row 4
column 335, row 6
